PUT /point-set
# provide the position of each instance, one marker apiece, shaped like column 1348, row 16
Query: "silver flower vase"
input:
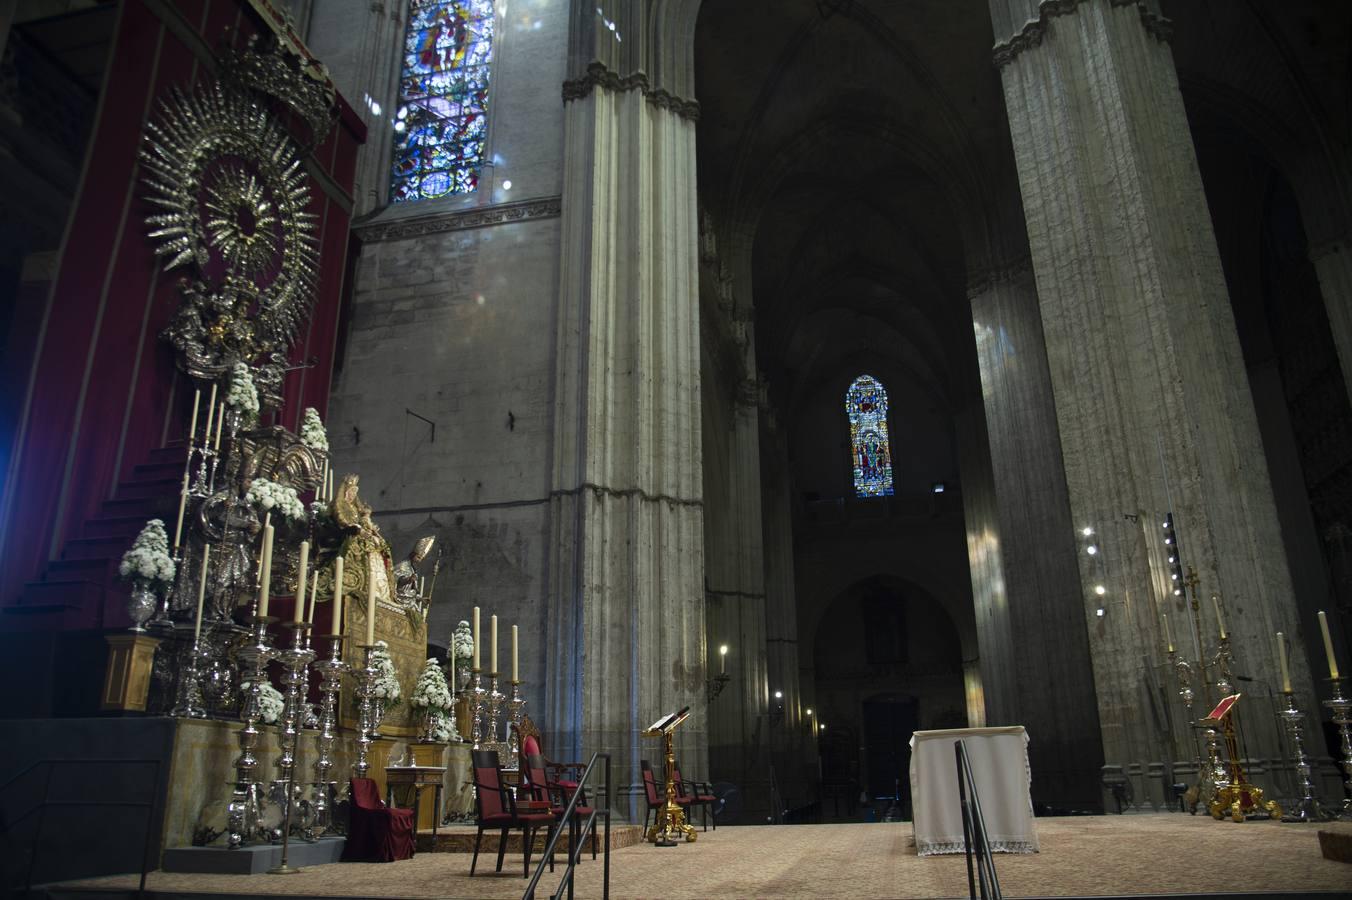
column 141, row 605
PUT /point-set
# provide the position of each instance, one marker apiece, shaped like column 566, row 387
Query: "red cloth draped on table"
column 375, row 832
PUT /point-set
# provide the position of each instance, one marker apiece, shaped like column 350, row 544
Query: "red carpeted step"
column 98, row 571
column 101, row 548
column 115, row 526
column 156, row 487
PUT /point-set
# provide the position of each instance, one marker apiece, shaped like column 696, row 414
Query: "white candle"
column 201, row 594
column 192, row 428
column 475, row 617
column 1328, row 644
column 220, row 420
column 722, row 660
column 1220, row 620
column 301, row 572
column 337, row 627
column 422, row 586
column 370, row 604
column 314, row 596
column 516, row 673
column 328, row 487
column 182, row 505
column 211, row 408
column 493, row 644
column 1281, row 654
column 265, row 564
column 323, row 480
column 1168, row 635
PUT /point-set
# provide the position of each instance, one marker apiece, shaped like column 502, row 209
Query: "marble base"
column 253, row 860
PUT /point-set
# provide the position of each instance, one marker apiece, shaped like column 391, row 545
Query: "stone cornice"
column 598, row 76
column 1032, row 33
column 982, row 280
column 461, row 220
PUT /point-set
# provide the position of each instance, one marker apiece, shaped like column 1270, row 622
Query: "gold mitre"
column 423, row 547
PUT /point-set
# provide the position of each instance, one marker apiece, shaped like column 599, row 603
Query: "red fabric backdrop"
column 103, row 390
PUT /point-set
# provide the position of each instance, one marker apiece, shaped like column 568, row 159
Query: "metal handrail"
column 41, row 807
column 588, row 828
column 974, row 832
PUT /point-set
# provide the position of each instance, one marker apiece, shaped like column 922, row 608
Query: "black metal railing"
column 981, row 870
column 40, row 808
column 588, row 829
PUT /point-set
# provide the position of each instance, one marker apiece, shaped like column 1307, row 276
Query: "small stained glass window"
column 866, row 406
column 442, row 117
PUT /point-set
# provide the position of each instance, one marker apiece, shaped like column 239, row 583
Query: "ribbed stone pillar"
column 1144, row 360
column 1333, row 264
column 1030, row 612
column 626, row 592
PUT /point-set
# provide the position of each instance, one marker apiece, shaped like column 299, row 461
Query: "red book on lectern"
column 1223, row 708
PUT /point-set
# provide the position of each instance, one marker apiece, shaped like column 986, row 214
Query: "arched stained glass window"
column 442, row 118
column 866, row 405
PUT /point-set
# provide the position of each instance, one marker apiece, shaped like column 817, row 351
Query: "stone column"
column 1030, row 611
column 626, row 590
column 1333, row 265
column 1144, row 360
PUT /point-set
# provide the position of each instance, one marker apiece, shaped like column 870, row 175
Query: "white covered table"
column 999, row 758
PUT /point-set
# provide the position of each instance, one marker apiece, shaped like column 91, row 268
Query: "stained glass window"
column 442, row 117
column 866, row 406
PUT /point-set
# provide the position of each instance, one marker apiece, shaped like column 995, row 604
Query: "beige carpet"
column 1080, row 857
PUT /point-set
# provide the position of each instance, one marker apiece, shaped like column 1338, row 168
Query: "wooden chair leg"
column 527, row 844
column 502, row 848
column 475, row 861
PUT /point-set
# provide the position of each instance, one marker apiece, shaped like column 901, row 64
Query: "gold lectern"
column 670, row 822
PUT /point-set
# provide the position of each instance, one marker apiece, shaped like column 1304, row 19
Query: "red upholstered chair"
column 564, row 774
column 496, row 808
column 698, row 793
column 376, row 833
column 655, row 793
column 534, row 771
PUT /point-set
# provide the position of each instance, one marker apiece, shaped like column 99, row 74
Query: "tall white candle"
column 370, row 605
column 516, row 672
column 328, row 487
column 323, row 480
column 265, row 565
column 1220, row 620
column 493, row 644
column 422, row 586
column 475, row 618
column 201, row 594
column 211, row 408
column 1286, row 672
column 192, row 428
column 337, row 627
column 1328, row 644
column 314, row 596
column 301, row 573
column 182, row 505
column 220, row 420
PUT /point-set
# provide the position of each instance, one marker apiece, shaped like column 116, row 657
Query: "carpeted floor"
column 1090, row 856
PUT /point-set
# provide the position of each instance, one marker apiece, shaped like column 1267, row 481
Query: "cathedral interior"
column 834, row 368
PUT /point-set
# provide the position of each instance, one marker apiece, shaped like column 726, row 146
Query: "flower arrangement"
column 443, row 729
column 431, row 691
column 387, row 682
column 270, row 703
column 148, row 559
column 269, row 495
column 312, row 432
column 462, row 641
column 243, row 396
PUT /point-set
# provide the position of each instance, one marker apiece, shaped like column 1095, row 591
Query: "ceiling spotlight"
column 1177, row 592
column 1087, row 531
column 1168, row 540
column 779, row 695
column 938, row 487
column 507, row 184
column 1174, row 576
column 1165, row 525
column 1091, row 550
column 1100, row 590
column 1099, row 612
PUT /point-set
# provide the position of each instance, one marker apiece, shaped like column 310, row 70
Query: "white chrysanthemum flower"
column 431, row 690
column 312, row 431
column 148, row 557
column 243, row 396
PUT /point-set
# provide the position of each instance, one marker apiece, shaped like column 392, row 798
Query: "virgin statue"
column 367, row 563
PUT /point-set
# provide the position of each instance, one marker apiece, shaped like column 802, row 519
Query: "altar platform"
column 1160, row 855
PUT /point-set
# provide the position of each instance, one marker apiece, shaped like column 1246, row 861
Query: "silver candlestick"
column 1307, row 808
column 243, row 811
column 515, row 704
column 331, row 671
column 367, row 717
column 477, row 707
column 295, row 659
column 1342, row 717
column 188, row 701
column 161, row 621
column 495, row 699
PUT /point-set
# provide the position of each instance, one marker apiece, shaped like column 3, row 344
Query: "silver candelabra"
column 243, row 811
column 515, row 704
column 1307, row 808
column 295, row 659
column 495, row 699
column 477, row 708
column 1342, row 717
column 331, row 671
column 188, row 700
column 368, row 718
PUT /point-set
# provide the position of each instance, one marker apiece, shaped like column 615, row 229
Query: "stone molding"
column 462, row 220
column 601, row 491
column 1033, row 32
column 598, row 75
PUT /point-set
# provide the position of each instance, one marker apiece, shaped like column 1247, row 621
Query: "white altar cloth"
column 999, row 758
